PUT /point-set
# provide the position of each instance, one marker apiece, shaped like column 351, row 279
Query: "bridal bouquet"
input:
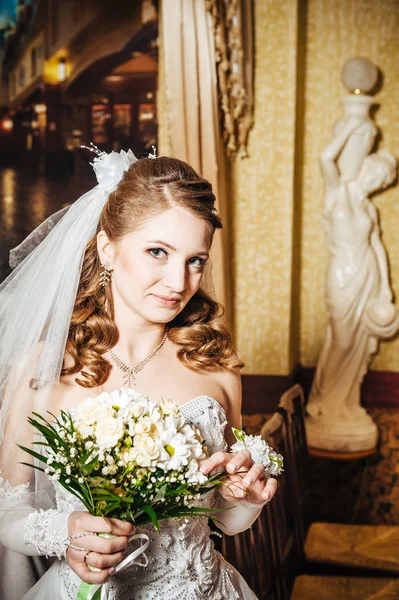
column 127, row 457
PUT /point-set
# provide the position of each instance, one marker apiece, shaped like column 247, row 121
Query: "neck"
column 137, row 340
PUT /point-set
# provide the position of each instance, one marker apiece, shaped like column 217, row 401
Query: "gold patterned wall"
column 279, row 252
column 261, row 192
column 337, row 30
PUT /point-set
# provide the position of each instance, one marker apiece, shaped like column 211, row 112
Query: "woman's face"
column 157, row 268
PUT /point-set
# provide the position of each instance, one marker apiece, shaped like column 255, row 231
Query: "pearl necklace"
column 130, row 372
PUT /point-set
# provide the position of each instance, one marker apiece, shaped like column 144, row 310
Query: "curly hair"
column 148, row 187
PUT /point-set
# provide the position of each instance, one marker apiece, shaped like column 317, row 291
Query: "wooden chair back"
column 269, row 554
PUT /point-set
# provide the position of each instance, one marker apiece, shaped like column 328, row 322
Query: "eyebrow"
column 172, row 247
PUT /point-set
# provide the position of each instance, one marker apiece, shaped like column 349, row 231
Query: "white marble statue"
column 358, row 293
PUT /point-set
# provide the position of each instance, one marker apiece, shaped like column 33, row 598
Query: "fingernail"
column 203, row 469
column 248, row 480
column 266, row 496
column 111, row 571
column 232, row 467
column 241, row 493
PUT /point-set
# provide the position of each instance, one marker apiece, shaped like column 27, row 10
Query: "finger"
column 270, row 489
column 256, row 472
column 233, row 461
column 118, row 527
column 103, row 561
column 88, row 522
column 238, row 460
column 216, row 460
column 99, row 544
column 232, row 488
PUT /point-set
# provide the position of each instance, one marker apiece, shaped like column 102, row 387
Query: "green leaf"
column 33, row 466
column 153, row 516
column 40, row 457
column 88, row 468
column 238, row 434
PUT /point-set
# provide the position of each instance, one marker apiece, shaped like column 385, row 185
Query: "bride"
column 116, row 290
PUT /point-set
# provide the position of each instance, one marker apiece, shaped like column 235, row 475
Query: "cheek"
column 133, row 271
column 195, row 280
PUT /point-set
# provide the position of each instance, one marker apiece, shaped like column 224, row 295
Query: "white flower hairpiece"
column 109, row 168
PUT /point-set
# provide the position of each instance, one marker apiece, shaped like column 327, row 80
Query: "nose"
column 176, row 277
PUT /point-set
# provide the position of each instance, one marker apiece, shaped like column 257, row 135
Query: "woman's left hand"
column 245, row 479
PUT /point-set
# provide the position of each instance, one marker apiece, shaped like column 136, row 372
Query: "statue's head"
column 378, row 171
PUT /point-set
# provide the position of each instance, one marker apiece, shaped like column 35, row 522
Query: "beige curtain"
column 191, row 106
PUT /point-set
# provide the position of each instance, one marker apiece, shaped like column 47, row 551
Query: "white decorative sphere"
column 382, row 312
column 359, row 74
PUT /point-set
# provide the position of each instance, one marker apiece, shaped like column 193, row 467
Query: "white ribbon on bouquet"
column 124, row 564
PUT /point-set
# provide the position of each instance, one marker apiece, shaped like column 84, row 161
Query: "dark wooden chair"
column 318, row 587
column 292, row 408
column 268, row 555
column 254, row 555
column 343, row 556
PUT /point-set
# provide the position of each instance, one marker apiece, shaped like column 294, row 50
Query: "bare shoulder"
column 230, row 384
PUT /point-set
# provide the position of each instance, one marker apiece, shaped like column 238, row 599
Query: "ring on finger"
column 85, row 558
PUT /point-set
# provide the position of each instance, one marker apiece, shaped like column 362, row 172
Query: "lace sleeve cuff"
column 47, row 531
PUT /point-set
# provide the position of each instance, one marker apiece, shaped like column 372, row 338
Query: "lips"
column 166, row 301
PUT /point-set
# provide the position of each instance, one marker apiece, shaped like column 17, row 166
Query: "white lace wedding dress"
column 182, row 561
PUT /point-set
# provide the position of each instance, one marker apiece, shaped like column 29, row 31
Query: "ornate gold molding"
column 233, row 34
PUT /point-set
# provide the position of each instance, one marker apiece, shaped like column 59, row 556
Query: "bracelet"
column 77, row 548
column 81, row 534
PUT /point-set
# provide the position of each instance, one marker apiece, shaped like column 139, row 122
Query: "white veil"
column 36, row 304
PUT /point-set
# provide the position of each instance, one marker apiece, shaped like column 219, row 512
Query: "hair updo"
column 147, row 188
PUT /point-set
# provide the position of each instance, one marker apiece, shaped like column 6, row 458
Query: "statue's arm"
column 380, row 253
column 331, row 152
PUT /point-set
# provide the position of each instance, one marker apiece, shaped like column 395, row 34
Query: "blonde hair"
column 149, row 187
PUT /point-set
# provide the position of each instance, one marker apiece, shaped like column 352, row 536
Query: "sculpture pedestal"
column 342, row 436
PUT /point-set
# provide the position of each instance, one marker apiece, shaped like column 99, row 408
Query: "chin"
column 161, row 315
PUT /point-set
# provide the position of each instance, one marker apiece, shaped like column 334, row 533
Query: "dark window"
column 21, row 76
column 33, row 62
column 55, row 21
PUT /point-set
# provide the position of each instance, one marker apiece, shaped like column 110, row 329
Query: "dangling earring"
column 105, row 275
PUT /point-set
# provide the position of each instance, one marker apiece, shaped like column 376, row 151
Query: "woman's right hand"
column 102, row 553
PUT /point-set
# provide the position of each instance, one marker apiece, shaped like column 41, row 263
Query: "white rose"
column 168, row 407
column 139, row 408
column 173, row 422
column 129, row 455
column 155, row 411
column 109, row 431
column 146, row 426
column 147, row 449
column 91, row 411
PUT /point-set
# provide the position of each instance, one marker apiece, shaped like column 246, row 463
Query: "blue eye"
column 157, row 252
column 197, row 262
